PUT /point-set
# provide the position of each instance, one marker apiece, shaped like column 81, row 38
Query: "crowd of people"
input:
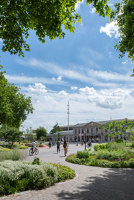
column 58, row 144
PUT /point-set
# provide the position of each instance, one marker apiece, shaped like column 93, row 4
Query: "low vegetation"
column 113, row 155
column 17, row 176
column 14, row 154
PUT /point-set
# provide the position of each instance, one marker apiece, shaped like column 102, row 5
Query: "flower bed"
column 111, row 155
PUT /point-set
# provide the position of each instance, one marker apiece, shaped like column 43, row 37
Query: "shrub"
column 82, row 154
column 36, row 161
column 19, row 176
column 21, row 147
column 98, row 147
column 64, row 172
column 4, row 149
column 112, row 155
column 131, row 162
column 73, row 159
column 132, row 145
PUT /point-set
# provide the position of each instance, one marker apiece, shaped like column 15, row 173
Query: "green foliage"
column 14, row 106
column 112, row 155
column 55, row 129
column 115, row 146
column 21, row 147
column 100, row 146
column 14, row 154
column 124, row 15
column 20, row 176
column 29, row 134
column 64, row 172
column 41, row 131
column 4, row 149
column 36, row 161
column 10, row 134
column 117, row 128
column 82, row 154
column 46, row 18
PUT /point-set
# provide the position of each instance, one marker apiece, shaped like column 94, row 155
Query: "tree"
column 29, row 134
column 10, row 134
column 41, row 131
column 46, row 17
column 55, row 129
column 117, row 128
column 14, row 106
column 124, row 15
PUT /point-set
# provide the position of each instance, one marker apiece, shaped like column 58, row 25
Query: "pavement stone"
column 91, row 183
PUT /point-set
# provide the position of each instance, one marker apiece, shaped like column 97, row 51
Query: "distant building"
column 90, row 130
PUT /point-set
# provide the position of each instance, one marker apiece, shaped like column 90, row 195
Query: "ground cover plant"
column 16, row 176
column 2, row 149
column 113, row 155
column 13, row 154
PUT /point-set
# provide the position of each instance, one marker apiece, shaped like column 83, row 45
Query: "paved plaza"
column 91, row 183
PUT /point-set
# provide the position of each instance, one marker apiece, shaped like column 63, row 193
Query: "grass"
column 13, row 154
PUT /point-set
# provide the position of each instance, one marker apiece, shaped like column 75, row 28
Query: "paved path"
column 91, row 183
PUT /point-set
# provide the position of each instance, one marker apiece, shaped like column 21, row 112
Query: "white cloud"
column 59, row 78
column 110, row 76
column 85, row 105
column 27, row 79
column 124, row 62
column 37, row 88
column 92, row 77
column 74, row 88
column 92, row 10
column 111, row 29
column 78, row 4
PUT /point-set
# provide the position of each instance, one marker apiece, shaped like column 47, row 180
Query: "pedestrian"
column 65, row 146
column 49, row 144
column 58, row 146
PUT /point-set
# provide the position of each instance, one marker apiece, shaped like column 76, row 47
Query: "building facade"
column 90, row 131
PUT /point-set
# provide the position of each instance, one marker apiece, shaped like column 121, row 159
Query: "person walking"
column 49, row 144
column 58, row 146
column 65, row 146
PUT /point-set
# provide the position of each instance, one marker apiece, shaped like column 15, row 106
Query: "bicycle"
column 33, row 150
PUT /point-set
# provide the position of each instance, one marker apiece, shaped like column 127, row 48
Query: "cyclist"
column 33, row 145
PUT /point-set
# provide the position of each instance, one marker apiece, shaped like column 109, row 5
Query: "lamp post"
column 85, row 138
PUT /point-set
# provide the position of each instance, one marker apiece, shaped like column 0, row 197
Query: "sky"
column 84, row 68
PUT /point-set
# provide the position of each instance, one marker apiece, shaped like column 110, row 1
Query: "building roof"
column 99, row 122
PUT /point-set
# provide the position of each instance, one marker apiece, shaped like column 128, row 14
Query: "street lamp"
column 85, row 138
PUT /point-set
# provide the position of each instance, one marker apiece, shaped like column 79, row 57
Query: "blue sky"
column 84, row 69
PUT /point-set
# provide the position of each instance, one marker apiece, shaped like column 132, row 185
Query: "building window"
column 96, row 130
column 91, row 130
column 87, row 130
column 82, row 131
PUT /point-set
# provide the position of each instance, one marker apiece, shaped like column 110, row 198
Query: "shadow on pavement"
column 116, row 184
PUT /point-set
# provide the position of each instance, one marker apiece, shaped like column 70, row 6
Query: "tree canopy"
column 117, row 128
column 41, row 132
column 55, row 129
column 14, row 106
column 10, row 134
column 124, row 15
column 46, row 17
